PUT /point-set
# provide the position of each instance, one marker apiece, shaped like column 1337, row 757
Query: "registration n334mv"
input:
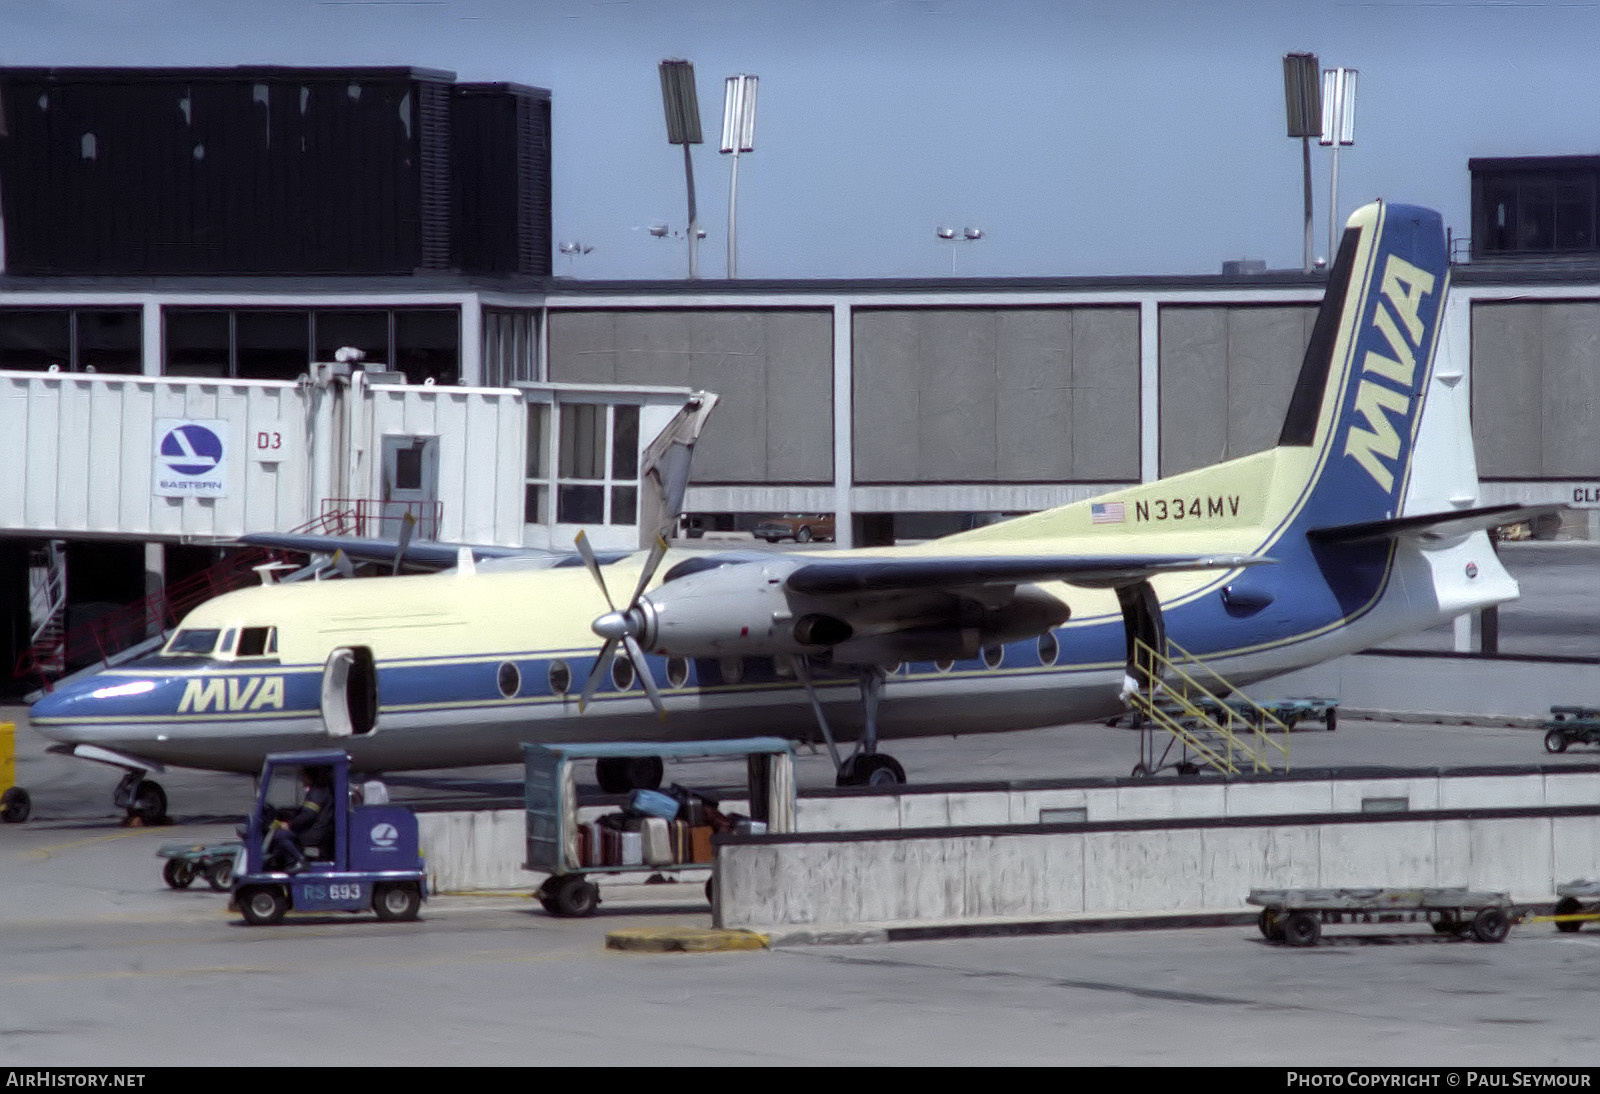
column 1358, row 525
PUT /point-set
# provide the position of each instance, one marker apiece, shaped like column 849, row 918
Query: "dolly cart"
column 187, row 861
column 554, row 844
column 1296, row 916
column 1579, row 903
column 15, row 805
column 374, row 863
column 1571, row 726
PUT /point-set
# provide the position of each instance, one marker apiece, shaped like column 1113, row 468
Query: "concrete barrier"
column 468, row 851
column 943, row 876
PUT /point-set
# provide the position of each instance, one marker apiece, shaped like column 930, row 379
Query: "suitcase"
column 700, row 843
column 679, row 832
column 653, row 803
column 655, row 842
column 632, row 849
column 610, row 847
column 588, row 845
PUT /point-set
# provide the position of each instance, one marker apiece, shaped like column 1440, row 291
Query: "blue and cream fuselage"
column 471, row 664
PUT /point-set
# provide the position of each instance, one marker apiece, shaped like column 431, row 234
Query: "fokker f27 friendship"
column 1357, row 526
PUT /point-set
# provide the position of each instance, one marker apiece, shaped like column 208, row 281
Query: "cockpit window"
column 258, row 641
column 194, row 641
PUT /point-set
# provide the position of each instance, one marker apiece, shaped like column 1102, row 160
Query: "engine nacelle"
column 740, row 609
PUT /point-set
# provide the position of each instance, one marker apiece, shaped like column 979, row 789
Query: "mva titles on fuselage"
column 1357, row 526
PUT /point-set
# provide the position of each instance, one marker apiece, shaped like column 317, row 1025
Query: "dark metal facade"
column 241, row 171
column 501, row 135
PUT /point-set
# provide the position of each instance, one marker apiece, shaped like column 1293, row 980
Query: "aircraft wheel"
column 1555, row 741
column 149, row 802
column 1491, row 925
column 876, row 769
column 1301, row 929
column 177, row 873
column 1270, row 924
column 396, row 900
column 574, row 897
column 15, row 805
column 1332, row 720
column 1569, row 905
column 219, row 875
column 1140, row 771
column 263, row 905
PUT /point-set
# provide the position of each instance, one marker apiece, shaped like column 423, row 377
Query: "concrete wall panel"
column 996, row 394
column 1571, row 389
column 1507, row 389
column 773, row 368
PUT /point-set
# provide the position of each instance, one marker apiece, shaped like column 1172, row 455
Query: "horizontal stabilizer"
column 1432, row 525
column 854, row 575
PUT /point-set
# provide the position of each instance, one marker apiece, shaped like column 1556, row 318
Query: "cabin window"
column 194, row 641
column 258, row 641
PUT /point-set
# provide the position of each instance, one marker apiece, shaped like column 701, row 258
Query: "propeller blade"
column 641, row 669
column 593, row 565
column 408, row 527
column 658, row 551
column 601, row 664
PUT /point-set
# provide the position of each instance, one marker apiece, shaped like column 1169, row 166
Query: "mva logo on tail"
column 1393, row 347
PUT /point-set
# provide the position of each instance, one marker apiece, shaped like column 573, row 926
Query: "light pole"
column 1338, row 128
column 955, row 235
column 682, row 108
column 1303, row 101
column 738, row 135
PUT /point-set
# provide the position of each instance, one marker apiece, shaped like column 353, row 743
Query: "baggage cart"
column 1571, row 726
column 1296, row 916
column 555, row 842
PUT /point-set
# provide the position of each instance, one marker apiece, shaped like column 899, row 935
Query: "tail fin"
column 1368, row 368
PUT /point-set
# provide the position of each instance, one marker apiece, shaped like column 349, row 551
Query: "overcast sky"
column 1081, row 136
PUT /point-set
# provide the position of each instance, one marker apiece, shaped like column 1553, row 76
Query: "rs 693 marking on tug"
column 1223, row 506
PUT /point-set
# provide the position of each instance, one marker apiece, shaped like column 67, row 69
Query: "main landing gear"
column 142, row 798
column 866, row 766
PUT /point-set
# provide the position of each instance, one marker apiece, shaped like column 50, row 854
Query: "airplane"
column 1359, row 525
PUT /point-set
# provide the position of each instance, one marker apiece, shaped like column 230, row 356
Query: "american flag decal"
column 1110, row 512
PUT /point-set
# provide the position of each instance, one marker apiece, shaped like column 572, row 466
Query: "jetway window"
column 199, row 343
column 597, row 445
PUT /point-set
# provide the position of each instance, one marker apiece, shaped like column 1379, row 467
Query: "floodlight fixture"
column 958, row 235
column 738, row 135
column 1338, row 129
column 659, row 230
column 682, row 107
column 1302, row 98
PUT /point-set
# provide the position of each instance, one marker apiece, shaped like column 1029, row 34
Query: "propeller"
column 408, row 528
column 621, row 628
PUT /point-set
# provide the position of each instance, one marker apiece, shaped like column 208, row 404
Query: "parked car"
column 800, row 527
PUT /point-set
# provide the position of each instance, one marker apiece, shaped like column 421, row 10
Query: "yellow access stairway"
column 1208, row 720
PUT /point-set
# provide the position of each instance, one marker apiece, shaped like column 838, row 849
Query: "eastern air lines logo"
column 191, row 449
column 1398, row 317
column 385, row 835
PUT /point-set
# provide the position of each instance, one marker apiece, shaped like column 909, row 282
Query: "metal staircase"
column 1205, row 718
column 47, row 607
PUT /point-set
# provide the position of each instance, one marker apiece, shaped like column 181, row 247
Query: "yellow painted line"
column 684, row 940
column 39, row 854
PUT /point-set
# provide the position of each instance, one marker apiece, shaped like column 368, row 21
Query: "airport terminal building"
column 187, row 246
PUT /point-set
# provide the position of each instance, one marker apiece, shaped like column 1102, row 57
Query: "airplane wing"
column 855, row 575
column 1432, row 525
column 426, row 553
